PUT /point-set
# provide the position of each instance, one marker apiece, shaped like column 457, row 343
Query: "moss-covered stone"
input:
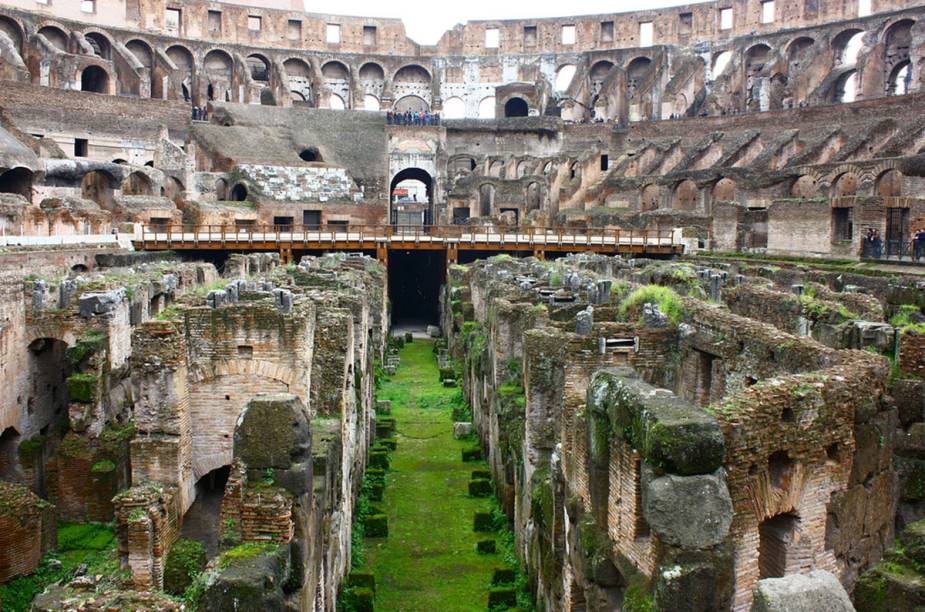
column 476, row 474
column 472, row 454
column 485, row 547
column 377, row 526
column 385, row 427
column 389, row 443
column 379, row 458
column 86, row 346
column 503, row 575
column 483, row 523
column 81, row 388
column 376, row 490
column 498, row 597
column 362, row 599
column 480, row 487
column 365, row 580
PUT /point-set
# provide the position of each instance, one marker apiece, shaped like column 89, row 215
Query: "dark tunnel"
column 415, row 278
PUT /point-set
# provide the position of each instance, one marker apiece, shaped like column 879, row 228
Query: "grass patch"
column 669, row 302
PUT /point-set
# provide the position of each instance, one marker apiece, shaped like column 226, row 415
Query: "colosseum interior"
column 595, row 313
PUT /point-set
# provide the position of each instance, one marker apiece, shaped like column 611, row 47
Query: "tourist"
column 918, row 242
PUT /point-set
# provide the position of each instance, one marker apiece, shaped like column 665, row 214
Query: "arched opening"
column 173, row 189
column 299, row 75
column 14, row 31
column 98, row 186
column 335, row 102
column 137, row 183
column 411, row 196
column 775, row 542
column 335, row 71
column 496, row 168
column 533, row 197
column 756, row 57
column 17, row 180
column 412, row 80
column 636, row 72
column 182, row 78
column 486, row 199
column 564, row 76
column 454, row 108
column 847, row 46
column 804, row 187
column 898, row 39
column 370, row 103
column 845, row 185
column 900, row 81
column 487, row 108
column 649, row 198
column 516, row 107
column 720, row 63
column 598, row 74
column 100, row 44
column 219, row 72
column 414, row 104
column 201, row 522
column 890, row 184
column 9, row 460
column 142, row 52
column 371, row 72
column 724, row 190
column 258, row 67
column 239, row 193
column 94, row 79
column 798, row 52
column 79, row 268
column 55, row 36
column 310, row 154
column 221, row 189
column 846, row 88
column 685, row 196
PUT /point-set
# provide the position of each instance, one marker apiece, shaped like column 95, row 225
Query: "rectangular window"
column 215, row 21
column 843, row 222
column 606, row 31
column 246, row 352
column 767, row 11
column 254, row 23
column 172, row 21
column 646, row 34
column 369, row 36
column 568, row 35
column 864, row 8
column 685, row 23
column 725, row 19
column 530, row 36
column 605, row 162
column 81, row 147
column 332, row 33
column 294, row 30
column 492, row 38
column 88, row 6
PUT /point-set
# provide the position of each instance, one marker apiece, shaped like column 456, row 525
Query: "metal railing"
column 155, row 235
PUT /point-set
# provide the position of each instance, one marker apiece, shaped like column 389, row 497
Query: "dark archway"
column 239, row 193
column 414, row 285
column 310, row 154
column 17, row 180
column 94, row 79
column 98, row 186
column 201, row 522
column 407, row 208
column 516, row 107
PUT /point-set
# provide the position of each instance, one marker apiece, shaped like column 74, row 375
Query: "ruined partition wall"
column 601, row 431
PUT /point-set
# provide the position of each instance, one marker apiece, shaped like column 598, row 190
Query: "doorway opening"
column 415, row 278
column 411, row 196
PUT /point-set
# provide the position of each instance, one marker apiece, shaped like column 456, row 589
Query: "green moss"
column 245, row 552
column 541, row 499
column 907, row 321
column 669, row 303
column 186, row 559
column 89, row 344
column 81, row 388
column 480, row 487
column 486, row 547
column 103, row 467
column 377, row 526
column 638, row 596
column 31, row 447
column 483, row 522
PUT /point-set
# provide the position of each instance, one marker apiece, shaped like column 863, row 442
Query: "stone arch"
column 516, row 107
column 804, row 187
column 239, row 193
column 564, row 75
column 461, row 164
column 524, row 168
column 335, row 102
column 889, row 183
column 371, row 71
column 102, row 46
column 98, row 186
column 411, row 174
column 267, row 98
column 650, row 198
column 454, row 108
column 412, row 73
column 310, row 154
column 335, row 70
column 598, row 74
column 411, row 103
column 173, row 188
column 533, row 196
column 17, row 180
column 299, row 77
column 756, row 57
column 218, row 67
column 685, row 196
column 724, row 190
column 258, row 66
column 142, row 52
column 371, row 103
column 137, row 183
column 797, row 52
column 496, row 168
column 14, row 30
column 94, row 79
column 899, row 81
column 847, row 45
column 635, row 71
column 56, row 36
column 845, row 89
column 897, row 38
column 221, row 189
column 845, row 184
column 182, row 78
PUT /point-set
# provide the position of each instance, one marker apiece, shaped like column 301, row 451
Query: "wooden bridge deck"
column 451, row 238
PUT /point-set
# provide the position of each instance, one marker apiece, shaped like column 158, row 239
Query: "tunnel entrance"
column 415, row 278
column 411, row 194
column 201, row 521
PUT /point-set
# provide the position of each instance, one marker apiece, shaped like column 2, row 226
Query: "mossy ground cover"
column 92, row 544
column 429, row 560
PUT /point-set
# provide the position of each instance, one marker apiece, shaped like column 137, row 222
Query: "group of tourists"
column 200, row 113
column 411, row 118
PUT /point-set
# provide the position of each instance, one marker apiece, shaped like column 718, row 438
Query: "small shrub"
column 483, row 523
column 377, row 526
column 669, row 303
column 485, row 547
column 480, row 487
column 103, row 467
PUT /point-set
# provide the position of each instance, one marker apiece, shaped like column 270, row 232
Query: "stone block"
column 379, row 459
column 486, row 547
column 503, row 575
column 818, row 591
column 91, row 304
column 480, row 487
column 472, row 454
column 669, row 512
column 377, row 526
column 500, row 597
column 483, row 523
column 462, row 430
column 384, row 407
column 433, row 331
